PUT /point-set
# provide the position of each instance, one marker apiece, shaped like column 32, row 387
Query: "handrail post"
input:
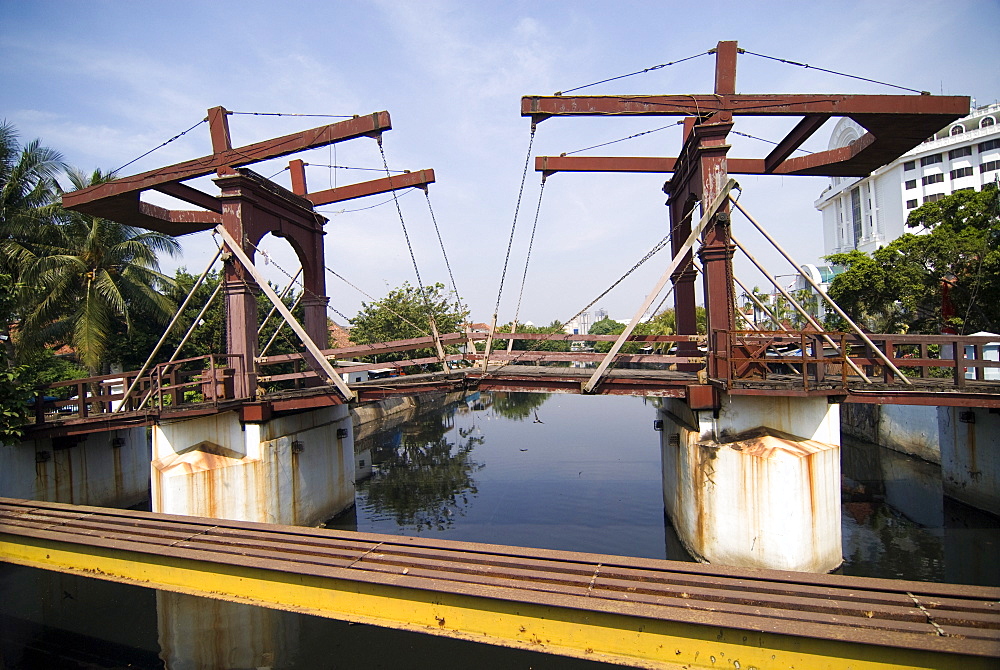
column 890, row 353
column 958, row 355
column 39, row 405
column 81, row 396
column 843, row 365
column 730, row 362
column 923, row 356
column 977, row 350
column 805, row 361
column 820, row 359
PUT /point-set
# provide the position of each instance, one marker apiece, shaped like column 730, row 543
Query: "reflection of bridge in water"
column 750, row 444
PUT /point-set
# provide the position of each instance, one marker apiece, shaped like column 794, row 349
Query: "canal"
column 553, row 471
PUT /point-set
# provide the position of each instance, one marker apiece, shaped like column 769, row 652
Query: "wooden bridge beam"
column 640, row 612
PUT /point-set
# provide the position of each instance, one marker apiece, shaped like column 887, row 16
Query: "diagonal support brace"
column 717, row 202
column 311, row 347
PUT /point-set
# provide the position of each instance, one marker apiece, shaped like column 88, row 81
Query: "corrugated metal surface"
column 483, row 588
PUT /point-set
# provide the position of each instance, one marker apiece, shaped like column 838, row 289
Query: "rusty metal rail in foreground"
column 640, row 612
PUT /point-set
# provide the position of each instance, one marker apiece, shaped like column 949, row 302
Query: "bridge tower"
column 748, row 480
column 247, row 460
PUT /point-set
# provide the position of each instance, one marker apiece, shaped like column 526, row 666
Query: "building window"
column 933, row 198
column 931, row 160
column 967, row 188
column 912, row 183
column 961, row 172
column 958, row 153
column 909, row 165
column 856, row 214
column 986, row 146
column 987, row 121
column 932, row 179
column 990, row 166
column 911, row 204
column 957, row 130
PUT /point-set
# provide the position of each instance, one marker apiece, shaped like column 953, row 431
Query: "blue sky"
column 104, row 82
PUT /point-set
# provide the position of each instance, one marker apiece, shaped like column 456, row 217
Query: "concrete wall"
column 290, row 470
column 964, row 441
column 768, row 502
column 108, row 469
column 910, row 429
column 970, row 456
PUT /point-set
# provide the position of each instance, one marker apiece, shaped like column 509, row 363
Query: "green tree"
column 555, row 328
column 607, row 326
column 404, row 314
column 898, row 288
column 27, row 196
column 13, row 391
column 93, row 276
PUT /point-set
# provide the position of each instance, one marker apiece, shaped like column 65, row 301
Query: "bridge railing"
column 198, row 380
column 292, row 370
column 825, row 358
column 958, row 358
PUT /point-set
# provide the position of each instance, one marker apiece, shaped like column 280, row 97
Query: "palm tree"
column 27, row 208
column 92, row 278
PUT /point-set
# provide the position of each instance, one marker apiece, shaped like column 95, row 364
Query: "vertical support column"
column 717, row 251
column 685, row 312
column 239, row 288
column 681, row 203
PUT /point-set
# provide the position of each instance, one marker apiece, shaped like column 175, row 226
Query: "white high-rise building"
column 870, row 212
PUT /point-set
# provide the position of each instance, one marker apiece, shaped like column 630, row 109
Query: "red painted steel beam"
column 645, row 164
column 191, row 195
column 932, row 107
column 799, row 134
column 373, row 187
column 550, row 164
column 88, row 199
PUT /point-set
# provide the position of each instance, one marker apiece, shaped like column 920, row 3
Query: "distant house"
column 339, row 337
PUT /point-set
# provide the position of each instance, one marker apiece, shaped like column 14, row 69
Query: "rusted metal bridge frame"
column 250, row 206
column 749, row 363
column 895, row 124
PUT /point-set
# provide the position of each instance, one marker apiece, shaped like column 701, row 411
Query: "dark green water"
column 561, row 472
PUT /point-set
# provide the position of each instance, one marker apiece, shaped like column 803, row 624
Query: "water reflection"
column 897, row 523
column 421, row 479
column 564, row 472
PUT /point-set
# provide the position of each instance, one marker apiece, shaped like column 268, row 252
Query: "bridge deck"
column 643, row 612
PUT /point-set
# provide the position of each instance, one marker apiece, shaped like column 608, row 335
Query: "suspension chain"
column 447, row 263
column 531, row 244
column 517, row 209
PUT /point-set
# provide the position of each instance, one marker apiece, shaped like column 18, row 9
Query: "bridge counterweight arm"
column 373, row 187
column 361, row 126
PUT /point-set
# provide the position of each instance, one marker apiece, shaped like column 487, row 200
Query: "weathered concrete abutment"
column 755, row 483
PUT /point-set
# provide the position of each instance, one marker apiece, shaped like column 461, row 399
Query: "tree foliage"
column 13, row 391
column 424, row 480
column 664, row 323
column 94, row 275
column 898, row 288
column 555, row 328
column 27, row 209
column 404, row 314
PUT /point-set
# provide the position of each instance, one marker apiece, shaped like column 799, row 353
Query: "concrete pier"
column 756, row 484
column 107, row 469
column 296, row 470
